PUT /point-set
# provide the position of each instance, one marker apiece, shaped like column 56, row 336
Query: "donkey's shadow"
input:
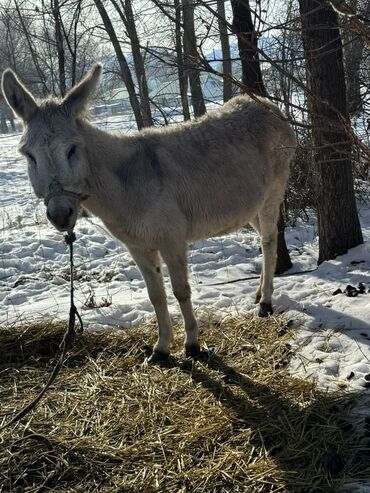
column 295, row 437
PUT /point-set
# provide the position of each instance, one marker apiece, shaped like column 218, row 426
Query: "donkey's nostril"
column 70, row 212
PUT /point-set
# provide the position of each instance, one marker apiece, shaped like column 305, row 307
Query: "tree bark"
column 226, row 54
column 191, row 58
column 252, row 78
column 338, row 224
column 125, row 69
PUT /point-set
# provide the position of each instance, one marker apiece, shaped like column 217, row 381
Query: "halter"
column 56, row 189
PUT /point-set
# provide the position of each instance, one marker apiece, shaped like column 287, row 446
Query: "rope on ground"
column 66, row 344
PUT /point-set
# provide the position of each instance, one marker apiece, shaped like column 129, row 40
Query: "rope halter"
column 56, row 189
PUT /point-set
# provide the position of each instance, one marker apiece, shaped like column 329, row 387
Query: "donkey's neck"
column 110, row 157
column 105, row 150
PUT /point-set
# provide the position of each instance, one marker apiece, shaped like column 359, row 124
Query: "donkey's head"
column 51, row 142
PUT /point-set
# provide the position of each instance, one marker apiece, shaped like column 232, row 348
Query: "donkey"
column 160, row 188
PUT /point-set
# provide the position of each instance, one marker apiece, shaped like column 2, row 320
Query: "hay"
column 234, row 422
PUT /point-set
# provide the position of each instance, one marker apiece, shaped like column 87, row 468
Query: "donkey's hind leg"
column 176, row 260
column 256, row 225
column 149, row 263
column 268, row 218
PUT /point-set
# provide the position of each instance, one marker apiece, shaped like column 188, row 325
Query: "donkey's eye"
column 31, row 158
column 71, row 152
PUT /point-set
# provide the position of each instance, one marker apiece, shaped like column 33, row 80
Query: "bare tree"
column 191, row 58
column 124, row 67
column 183, row 80
column 338, row 223
column 73, row 38
column 59, row 41
column 353, row 55
column 31, row 46
column 243, row 27
column 126, row 14
column 226, row 54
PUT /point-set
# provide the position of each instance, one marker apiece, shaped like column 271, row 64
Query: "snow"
column 332, row 332
column 332, row 335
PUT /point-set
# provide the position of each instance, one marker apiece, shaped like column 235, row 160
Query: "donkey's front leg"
column 176, row 260
column 149, row 263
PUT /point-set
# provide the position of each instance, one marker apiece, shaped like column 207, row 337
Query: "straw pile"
column 236, row 421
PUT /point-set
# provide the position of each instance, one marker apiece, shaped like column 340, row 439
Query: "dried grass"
column 234, row 422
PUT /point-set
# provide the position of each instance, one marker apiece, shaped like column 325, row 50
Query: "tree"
column 59, row 41
column 338, row 223
column 32, row 48
column 183, row 80
column 252, row 79
column 191, row 58
column 226, row 54
column 126, row 14
column 243, row 27
column 124, row 67
column 353, row 55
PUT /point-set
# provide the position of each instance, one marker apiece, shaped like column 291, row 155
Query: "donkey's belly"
column 220, row 209
column 205, row 230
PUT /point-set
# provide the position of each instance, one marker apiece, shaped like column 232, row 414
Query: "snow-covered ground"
column 333, row 331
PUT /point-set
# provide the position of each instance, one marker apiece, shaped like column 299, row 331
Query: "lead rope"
column 66, row 344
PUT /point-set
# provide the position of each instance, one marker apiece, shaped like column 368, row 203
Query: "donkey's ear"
column 78, row 97
column 17, row 96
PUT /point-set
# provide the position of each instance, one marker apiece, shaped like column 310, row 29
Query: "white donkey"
column 158, row 189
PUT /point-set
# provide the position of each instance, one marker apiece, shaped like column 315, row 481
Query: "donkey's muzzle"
column 61, row 215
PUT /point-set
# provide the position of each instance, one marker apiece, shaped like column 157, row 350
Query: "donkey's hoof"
column 265, row 310
column 157, row 357
column 193, row 351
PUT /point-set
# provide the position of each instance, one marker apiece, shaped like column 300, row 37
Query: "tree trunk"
column 11, row 120
column 283, row 262
column 139, row 66
column 127, row 17
column 125, row 69
column 252, row 79
column 72, row 40
column 353, row 52
column 3, row 126
column 191, row 58
column 338, row 223
column 60, row 47
column 183, row 80
column 243, row 27
column 226, row 55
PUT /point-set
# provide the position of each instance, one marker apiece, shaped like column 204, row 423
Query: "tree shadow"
column 296, row 441
column 335, row 319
